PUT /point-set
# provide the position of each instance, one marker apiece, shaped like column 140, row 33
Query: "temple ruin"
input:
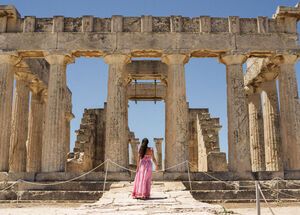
column 36, row 111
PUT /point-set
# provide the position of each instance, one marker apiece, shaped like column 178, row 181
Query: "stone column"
column 134, row 150
column 289, row 101
column 116, row 137
column 158, row 151
column 35, row 134
column 177, row 113
column 19, row 127
column 7, row 63
column 53, row 150
column 271, row 126
column 237, row 114
column 69, row 117
column 256, row 132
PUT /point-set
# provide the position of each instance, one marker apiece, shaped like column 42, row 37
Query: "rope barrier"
column 13, row 184
column 262, row 194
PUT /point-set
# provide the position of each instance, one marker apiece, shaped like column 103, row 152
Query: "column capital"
column 116, row 59
column 288, row 59
column 58, row 57
column 232, row 59
column 175, row 58
column 158, row 140
column 9, row 57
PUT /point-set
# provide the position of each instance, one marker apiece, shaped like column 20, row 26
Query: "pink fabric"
column 143, row 177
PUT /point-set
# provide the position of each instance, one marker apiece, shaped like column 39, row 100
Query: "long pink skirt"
column 143, row 177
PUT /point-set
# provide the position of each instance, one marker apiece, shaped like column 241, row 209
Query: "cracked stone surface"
column 166, row 198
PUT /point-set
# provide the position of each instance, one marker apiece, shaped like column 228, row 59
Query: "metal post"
column 257, row 198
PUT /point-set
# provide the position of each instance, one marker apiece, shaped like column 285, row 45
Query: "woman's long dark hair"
column 143, row 148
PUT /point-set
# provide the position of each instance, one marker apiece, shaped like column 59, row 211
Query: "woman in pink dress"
column 143, row 177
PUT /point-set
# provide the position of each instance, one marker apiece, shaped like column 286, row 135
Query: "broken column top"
column 10, row 11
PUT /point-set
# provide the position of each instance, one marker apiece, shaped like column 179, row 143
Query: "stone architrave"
column 53, row 150
column 271, row 126
column 158, row 151
column 176, row 113
column 134, row 150
column 289, row 103
column 19, row 127
column 35, row 133
column 256, row 132
column 7, row 63
column 116, row 137
column 237, row 113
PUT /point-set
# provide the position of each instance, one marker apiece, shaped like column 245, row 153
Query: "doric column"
column 53, row 150
column 289, row 101
column 35, row 134
column 116, row 138
column 176, row 113
column 256, row 132
column 19, row 127
column 271, row 126
column 158, row 151
column 69, row 117
column 134, row 150
column 7, row 63
column 237, row 114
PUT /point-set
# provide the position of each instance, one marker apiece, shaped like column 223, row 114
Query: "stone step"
column 69, row 186
column 51, row 195
column 245, row 194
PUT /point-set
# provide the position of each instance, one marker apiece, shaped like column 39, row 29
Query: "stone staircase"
column 204, row 191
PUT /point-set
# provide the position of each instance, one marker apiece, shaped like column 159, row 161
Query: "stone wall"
column 204, row 148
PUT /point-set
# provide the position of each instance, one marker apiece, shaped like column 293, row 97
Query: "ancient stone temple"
column 36, row 104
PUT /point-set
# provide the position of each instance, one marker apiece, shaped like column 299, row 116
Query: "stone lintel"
column 146, row 91
column 283, row 11
column 147, row 70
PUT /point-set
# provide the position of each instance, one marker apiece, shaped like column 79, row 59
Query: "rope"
column 13, row 184
column 62, row 182
column 262, row 194
column 122, row 167
column 176, row 165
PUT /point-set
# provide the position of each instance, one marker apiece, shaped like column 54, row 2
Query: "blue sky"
column 206, row 83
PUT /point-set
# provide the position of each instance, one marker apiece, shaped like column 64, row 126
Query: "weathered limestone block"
column 289, row 124
column 116, row 138
column 58, row 24
column 29, row 24
column 146, row 24
column 117, row 24
column 256, row 132
column 35, row 133
column 177, row 113
column 7, row 62
column 234, row 24
column 87, row 24
column 19, row 127
column 205, row 24
column 272, row 138
column 216, row 162
column 53, row 151
column 158, row 151
column 237, row 113
column 263, row 24
column 176, row 23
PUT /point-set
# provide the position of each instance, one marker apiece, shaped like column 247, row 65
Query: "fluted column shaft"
column 35, row 134
column 289, row 124
column 53, row 150
column 19, row 128
column 177, row 113
column 158, row 151
column 7, row 63
column 237, row 114
column 271, row 126
column 116, row 138
column 256, row 133
column 134, row 151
